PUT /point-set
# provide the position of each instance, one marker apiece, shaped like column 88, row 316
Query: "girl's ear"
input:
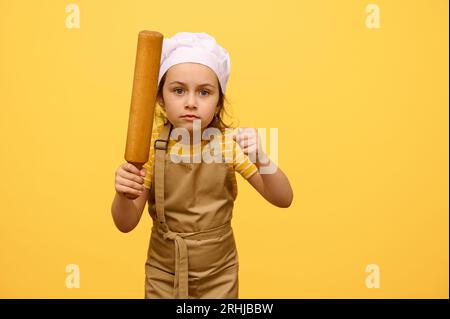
column 160, row 101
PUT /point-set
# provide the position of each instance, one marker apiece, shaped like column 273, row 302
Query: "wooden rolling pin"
column 143, row 98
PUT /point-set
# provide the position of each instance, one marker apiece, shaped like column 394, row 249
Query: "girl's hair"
column 217, row 121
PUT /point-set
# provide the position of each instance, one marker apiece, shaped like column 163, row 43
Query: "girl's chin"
column 189, row 125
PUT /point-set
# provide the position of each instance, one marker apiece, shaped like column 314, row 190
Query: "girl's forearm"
column 277, row 188
column 124, row 213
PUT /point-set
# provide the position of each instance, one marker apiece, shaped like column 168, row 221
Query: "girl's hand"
column 129, row 180
column 249, row 141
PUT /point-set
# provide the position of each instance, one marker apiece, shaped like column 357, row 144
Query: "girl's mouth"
column 190, row 117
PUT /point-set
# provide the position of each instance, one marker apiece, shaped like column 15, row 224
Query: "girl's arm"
column 126, row 212
column 273, row 185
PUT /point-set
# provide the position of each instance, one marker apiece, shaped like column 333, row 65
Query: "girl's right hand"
column 129, row 180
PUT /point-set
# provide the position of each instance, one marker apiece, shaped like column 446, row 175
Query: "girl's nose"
column 191, row 101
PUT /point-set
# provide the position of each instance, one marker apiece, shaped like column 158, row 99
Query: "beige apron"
column 192, row 251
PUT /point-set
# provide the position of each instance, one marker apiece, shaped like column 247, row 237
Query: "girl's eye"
column 180, row 90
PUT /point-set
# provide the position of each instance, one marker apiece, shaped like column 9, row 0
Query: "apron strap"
column 160, row 146
column 181, row 254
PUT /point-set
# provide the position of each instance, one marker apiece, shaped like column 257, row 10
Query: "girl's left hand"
column 249, row 141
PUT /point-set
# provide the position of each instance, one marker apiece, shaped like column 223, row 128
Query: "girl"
column 192, row 251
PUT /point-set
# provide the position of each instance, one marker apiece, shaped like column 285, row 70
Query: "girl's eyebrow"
column 204, row 84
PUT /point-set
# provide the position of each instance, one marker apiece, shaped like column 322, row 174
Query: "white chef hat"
column 198, row 48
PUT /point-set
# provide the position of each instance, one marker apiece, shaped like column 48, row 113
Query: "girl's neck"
column 189, row 139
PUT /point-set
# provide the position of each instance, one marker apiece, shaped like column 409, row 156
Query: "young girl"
column 192, row 251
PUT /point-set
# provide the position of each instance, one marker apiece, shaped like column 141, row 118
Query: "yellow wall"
column 362, row 116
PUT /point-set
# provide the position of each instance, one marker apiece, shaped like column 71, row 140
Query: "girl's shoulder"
column 156, row 131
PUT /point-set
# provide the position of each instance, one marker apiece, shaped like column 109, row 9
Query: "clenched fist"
column 250, row 143
column 129, row 180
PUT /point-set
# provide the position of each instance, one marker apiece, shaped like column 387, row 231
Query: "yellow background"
column 362, row 116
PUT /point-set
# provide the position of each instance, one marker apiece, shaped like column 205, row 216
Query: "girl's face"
column 190, row 89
